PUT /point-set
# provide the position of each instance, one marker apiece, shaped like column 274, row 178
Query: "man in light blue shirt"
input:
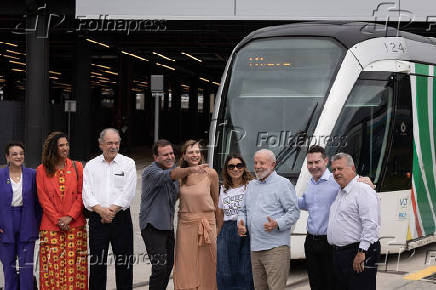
column 320, row 193
column 353, row 228
column 269, row 211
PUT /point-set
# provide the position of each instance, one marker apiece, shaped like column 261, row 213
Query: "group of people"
column 233, row 236
column 52, row 204
column 239, row 238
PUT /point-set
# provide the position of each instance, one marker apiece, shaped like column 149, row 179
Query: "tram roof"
column 347, row 33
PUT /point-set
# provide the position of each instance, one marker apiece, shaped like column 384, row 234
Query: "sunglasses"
column 232, row 166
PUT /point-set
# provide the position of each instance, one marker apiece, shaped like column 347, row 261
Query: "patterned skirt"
column 63, row 259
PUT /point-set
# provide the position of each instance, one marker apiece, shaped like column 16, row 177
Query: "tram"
column 360, row 88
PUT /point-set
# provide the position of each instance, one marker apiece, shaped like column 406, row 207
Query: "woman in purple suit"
column 20, row 215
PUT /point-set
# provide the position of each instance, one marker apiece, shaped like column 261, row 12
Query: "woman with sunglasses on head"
column 233, row 262
column 20, row 214
column 63, row 248
column 195, row 253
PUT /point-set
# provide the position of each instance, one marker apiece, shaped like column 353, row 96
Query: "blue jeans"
column 233, row 259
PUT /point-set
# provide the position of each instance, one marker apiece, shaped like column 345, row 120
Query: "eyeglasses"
column 232, row 166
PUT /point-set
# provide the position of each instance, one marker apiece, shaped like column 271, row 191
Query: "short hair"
column 12, row 144
column 317, row 149
column 342, row 155
column 268, row 152
column 104, row 131
column 160, row 143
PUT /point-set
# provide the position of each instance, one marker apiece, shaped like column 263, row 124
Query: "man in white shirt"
column 109, row 185
column 353, row 228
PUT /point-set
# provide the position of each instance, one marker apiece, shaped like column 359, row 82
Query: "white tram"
column 352, row 87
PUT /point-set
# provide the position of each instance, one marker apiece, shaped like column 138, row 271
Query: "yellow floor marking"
column 421, row 274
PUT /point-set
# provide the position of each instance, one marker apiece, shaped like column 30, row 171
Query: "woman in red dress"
column 63, row 246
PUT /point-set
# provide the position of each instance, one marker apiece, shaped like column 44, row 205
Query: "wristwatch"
column 361, row 251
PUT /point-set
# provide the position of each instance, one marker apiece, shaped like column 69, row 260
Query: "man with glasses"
column 109, row 185
column 156, row 217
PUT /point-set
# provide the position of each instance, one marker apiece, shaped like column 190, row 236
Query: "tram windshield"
column 364, row 125
column 274, row 98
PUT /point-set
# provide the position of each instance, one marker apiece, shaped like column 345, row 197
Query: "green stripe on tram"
column 421, row 196
column 425, row 137
column 434, row 111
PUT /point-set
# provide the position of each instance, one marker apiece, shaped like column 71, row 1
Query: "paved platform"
column 391, row 279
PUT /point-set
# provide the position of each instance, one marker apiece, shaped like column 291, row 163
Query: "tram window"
column 274, row 98
column 363, row 126
column 399, row 163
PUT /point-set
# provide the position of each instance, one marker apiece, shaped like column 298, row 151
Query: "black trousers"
column 160, row 250
column 120, row 234
column 346, row 277
column 319, row 259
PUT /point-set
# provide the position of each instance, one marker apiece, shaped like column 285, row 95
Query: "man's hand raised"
column 242, row 230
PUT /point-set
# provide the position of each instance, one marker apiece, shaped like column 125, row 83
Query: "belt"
column 349, row 246
column 316, row 237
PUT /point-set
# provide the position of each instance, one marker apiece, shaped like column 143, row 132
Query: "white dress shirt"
column 109, row 184
column 354, row 216
column 17, row 192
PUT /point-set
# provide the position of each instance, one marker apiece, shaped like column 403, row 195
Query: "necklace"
column 16, row 179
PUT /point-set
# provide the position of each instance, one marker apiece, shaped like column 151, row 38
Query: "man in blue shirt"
column 156, row 216
column 320, row 193
column 269, row 211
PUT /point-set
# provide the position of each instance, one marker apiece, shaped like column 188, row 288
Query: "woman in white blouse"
column 20, row 215
column 233, row 251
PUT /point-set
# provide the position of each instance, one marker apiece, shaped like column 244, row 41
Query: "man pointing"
column 269, row 211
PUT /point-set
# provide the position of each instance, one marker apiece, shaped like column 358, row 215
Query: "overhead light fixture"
column 103, row 78
column 10, row 56
column 17, row 69
column 138, row 57
column 55, row 72
column 163, row 56
column 63, row 84
column 141, row 82
column 11, row 44
column 15, row 52
column 17, row 62
column 111, row 72
column 204, row 80
column 191, row 56
column 96, row 73
column 99, row 43
column 53, row 78
column 185, row 86
column 134, row 55
column 165, row 66
column 99, row 65
column 215, row 83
